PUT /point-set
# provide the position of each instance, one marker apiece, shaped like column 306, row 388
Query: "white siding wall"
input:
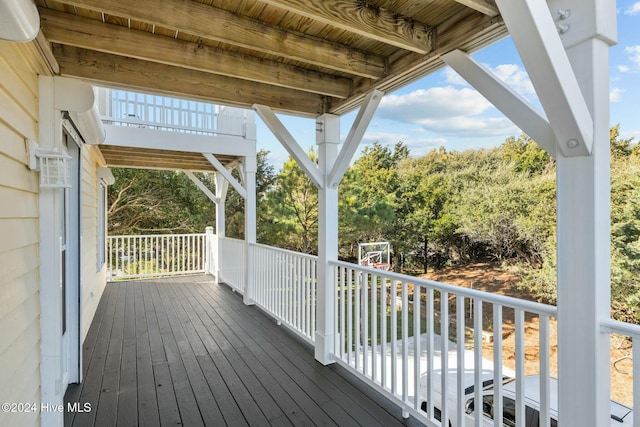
column 93, row 281
column 19, row 232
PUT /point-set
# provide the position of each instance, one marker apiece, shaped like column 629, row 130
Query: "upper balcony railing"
column 133, row 109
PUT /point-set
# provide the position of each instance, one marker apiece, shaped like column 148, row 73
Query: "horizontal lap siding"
column 19, row 232
column 93, row 281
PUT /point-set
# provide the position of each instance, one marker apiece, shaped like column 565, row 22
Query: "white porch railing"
column 632, row 332
column 285, row 287
column 133, row 109
column 135, row 257
column 231, row 266
column 396, row 331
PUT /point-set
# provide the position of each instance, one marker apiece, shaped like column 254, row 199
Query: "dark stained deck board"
column 187, row 351
column 354, row 401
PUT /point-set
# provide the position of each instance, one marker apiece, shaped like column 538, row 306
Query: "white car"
column 620, row 414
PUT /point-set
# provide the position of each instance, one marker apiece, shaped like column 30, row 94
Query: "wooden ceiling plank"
column 129, row 73
column 220, row 25
column 86, row 33
column 413, row 66
column 488, row 7
column 365, row 19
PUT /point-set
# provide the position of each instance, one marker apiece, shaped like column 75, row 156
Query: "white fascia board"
column 515, row 107
column 289, row 143
column 201, row 186
column 226, row 174
column 536, row 37
column 359, row 127
column 154, row 139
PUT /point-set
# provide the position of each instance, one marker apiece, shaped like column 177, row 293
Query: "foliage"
column 439, row 209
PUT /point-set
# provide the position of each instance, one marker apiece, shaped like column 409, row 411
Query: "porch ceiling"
column 305, row 57
column 143, row 158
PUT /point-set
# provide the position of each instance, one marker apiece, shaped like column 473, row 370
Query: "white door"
column 70, row 270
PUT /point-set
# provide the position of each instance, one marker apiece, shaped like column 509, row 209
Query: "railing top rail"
column 285, row 251
column 622, row 328
column 155, row 235
column 530, row 306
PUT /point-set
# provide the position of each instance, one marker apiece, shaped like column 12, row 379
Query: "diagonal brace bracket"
column 359, row 127
column 290, row 144
column 535, row 35
column 509, row 102
column 226, row 174
column 202, row 187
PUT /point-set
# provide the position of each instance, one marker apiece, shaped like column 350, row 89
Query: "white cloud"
column 634, row 54
column 472, row 127
column 513, row 75
column 615, row 94
column 634, row 9
column 624, row 68
column 445, row 111
column 436, row 102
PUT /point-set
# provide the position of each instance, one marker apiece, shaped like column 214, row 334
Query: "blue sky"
column 442, row 110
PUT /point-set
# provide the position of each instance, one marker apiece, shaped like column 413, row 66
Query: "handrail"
column 504, row 300
column 400, row 333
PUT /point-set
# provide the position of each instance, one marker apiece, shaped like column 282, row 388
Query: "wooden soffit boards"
column 160, row 159
column 305, row 57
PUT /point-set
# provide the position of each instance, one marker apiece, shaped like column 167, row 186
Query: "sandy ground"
column 491, row 278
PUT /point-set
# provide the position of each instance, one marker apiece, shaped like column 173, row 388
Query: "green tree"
column 292, row 209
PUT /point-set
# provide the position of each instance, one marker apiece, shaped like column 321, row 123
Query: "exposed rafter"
column 211, row 23
column 488, row 7
column 365, row 19
column 113, row 70
column 86, row 33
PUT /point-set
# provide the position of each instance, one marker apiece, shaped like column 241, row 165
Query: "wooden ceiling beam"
column 488, row 7
column 130, row 73
column 413, row 66
column 365, row 19
column 73, row 30
column 211, row 23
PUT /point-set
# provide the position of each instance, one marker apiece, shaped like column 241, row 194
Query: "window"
column 101, row 235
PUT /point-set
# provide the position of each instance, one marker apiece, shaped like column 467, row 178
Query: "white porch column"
column 222, row 186
column 564, row 45
column 250, row 167
column 328, row 140
column 583, row 198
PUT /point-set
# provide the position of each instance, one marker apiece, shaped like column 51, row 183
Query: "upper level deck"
column 160, row 132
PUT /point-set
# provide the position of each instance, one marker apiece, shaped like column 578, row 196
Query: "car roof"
column 532, row 395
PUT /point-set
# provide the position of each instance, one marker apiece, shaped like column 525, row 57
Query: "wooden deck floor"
column 184, row 351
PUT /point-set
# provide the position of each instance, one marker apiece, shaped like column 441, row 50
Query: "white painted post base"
column 324, row 348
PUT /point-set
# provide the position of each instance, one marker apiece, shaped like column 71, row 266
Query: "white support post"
column 222, row 186
column 289, row 143
column 509, row 102
column 583, row 199
column 250, row 167
column 210, row 262
column 583, row 184
column 328, row 140
column 351, row 144
column 535, row 34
